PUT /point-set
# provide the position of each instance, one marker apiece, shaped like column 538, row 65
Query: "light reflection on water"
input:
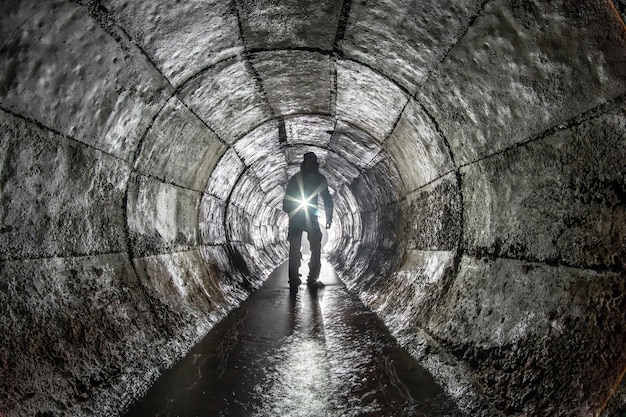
column 299, row 385
column 320, row 354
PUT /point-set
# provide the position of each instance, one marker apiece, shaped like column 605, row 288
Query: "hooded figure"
column 300, row 203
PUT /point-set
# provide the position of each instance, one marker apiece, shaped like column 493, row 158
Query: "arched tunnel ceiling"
column 160, row 135
column 221, row 99
column 213, row 103
column 209, row 74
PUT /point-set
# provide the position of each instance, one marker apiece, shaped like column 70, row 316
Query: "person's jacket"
column 301, row 196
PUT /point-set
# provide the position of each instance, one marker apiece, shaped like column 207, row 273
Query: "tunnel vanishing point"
column 475, row 151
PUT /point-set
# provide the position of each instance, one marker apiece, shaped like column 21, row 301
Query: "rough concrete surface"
column 475, row 153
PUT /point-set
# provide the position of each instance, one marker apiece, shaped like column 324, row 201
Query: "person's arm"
column 328, row 206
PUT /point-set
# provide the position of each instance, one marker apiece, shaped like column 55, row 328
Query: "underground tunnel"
column 475, row 152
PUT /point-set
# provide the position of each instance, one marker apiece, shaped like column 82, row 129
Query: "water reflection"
column 299, row 385
column 317, row 354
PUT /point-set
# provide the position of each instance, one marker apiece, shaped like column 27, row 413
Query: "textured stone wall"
column 475, row 153
column 511, row 278
column 85, row 326
column 541, row 282
column 107, row 276
column 507, row 274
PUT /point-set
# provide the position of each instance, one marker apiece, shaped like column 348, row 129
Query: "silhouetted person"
column 300, row 203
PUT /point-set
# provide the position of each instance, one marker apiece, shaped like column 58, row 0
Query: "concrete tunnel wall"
column 475, row 152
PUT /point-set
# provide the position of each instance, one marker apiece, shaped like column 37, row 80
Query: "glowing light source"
column 304, row 203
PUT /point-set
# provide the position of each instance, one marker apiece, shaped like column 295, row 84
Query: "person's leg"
column 295, row 241
column 315, row 239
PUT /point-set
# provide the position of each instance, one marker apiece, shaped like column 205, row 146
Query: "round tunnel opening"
column 248, row 199
column 486, row 166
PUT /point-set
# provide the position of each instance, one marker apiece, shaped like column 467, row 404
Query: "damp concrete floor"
column 316, row 354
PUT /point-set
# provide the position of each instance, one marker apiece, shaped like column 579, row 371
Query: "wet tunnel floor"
column 320, row 353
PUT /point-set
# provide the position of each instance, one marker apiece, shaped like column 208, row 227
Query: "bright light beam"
column 304, row 202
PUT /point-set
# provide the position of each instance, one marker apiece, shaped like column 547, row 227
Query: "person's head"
column 309, row 163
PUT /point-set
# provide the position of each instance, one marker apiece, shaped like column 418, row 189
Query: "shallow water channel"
column 320, row 353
